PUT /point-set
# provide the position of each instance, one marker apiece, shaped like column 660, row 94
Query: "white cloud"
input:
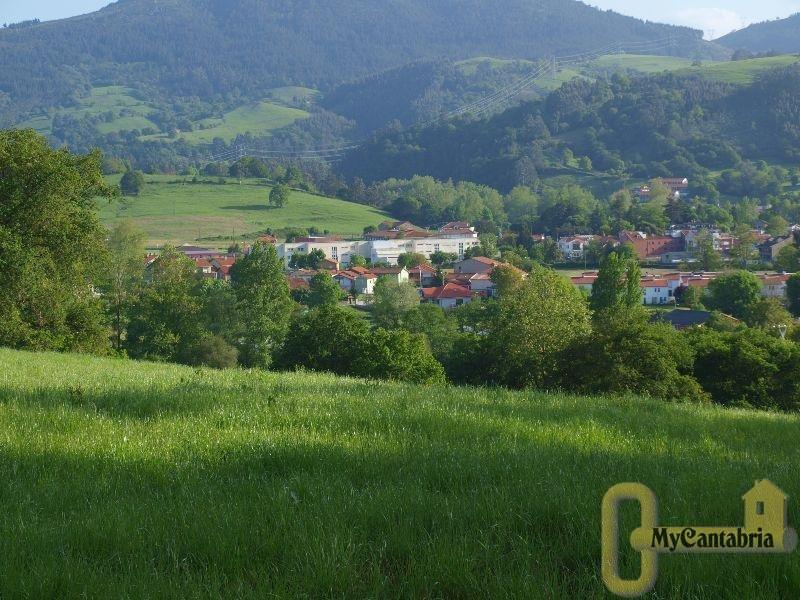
column 715, row 22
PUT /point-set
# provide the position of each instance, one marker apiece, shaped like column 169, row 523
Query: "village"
column 449, row 272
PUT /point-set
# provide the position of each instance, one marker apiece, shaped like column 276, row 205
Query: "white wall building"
column 380, row 250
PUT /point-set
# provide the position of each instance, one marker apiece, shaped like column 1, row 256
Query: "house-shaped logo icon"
column 766, row 506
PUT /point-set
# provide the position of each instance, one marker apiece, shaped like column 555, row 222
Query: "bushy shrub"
column 747, row 367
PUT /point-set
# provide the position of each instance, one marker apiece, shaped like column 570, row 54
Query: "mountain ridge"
column 781, row 35
column 224, row 48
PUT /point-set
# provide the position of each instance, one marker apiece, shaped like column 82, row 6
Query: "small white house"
column 656, row 291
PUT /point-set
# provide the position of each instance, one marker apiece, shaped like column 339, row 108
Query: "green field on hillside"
column 641, row 63
column 173, row 210
column 289, row 95
column 122, row 479
column 258, row 118
column 126, row 112
column 470, row 66
column 742, row 71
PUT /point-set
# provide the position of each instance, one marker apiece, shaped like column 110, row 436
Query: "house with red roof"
column 774, row 286
column 447, row 296
column 477, row 264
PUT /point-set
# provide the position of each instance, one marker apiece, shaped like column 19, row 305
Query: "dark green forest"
column 420, row 91
column 229, row 49
column 782, row 35
column 620, row 128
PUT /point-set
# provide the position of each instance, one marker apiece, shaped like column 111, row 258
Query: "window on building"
column 759, row 508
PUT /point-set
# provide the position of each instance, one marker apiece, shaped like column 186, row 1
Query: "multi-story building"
column 384, row 246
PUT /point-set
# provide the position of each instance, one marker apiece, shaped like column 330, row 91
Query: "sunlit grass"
column 123, row 479
column 170, row 209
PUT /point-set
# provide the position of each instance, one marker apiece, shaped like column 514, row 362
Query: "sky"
column 714, row 17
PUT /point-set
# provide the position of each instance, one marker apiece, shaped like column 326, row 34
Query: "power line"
column 478, row 107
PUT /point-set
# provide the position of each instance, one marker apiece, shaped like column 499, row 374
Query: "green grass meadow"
column 175, row 211
column 258, row 118
column 130, row 480
column 128, row 112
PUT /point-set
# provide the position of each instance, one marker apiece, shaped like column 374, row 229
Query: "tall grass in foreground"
column 122, row 479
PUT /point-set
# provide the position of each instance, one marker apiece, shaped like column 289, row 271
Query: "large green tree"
column 124, row 273
column 747, row 367
column 734, row 294
column 324, row 290
column 132, row 183
column 618, row 285
column 626, row 354
column 531, row 327
column 393, row 300
column 279, row 195
column 264, row 305
column 51, row 246
column 166, row 320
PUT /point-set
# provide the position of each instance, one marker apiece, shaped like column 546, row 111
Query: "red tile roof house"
column 295, row 283
column 422, row 275
column 329, row 265
column 477, row 264
column 584, row 282
column 346, row 279
column 447, row 296
column 205, row 268
column 649, row 246
column 305, row 274
column 774, row 286
column 365, row 283
column 399, row 230
column 222, row 267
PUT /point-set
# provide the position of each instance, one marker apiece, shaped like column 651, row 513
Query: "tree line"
column 71, row 286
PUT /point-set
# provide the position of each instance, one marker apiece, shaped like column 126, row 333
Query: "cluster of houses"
column 471, row 277
column 678, row 245
column 663, row 289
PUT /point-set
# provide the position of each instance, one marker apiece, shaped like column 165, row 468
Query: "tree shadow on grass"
column 458, row 510
column 254, row 207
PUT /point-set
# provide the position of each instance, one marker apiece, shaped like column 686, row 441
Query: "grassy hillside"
column 738, row 72
column 258, row 118
column 116, row 105
column 117, row 109
column 171, row 210
column 142, row 480
column 742, row 71
column 640, row 63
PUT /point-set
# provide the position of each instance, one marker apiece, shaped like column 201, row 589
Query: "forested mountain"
column 782, row 36
column 658, row 126
column 243, row 48
column 421, row 91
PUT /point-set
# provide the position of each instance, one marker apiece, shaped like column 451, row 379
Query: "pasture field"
column 640, row 62
column 127, row 111
column 131, row 480
column 742, row 71
column 258, row 118
column 173, row 210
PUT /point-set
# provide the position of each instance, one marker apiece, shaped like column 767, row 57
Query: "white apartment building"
column 377, row 251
